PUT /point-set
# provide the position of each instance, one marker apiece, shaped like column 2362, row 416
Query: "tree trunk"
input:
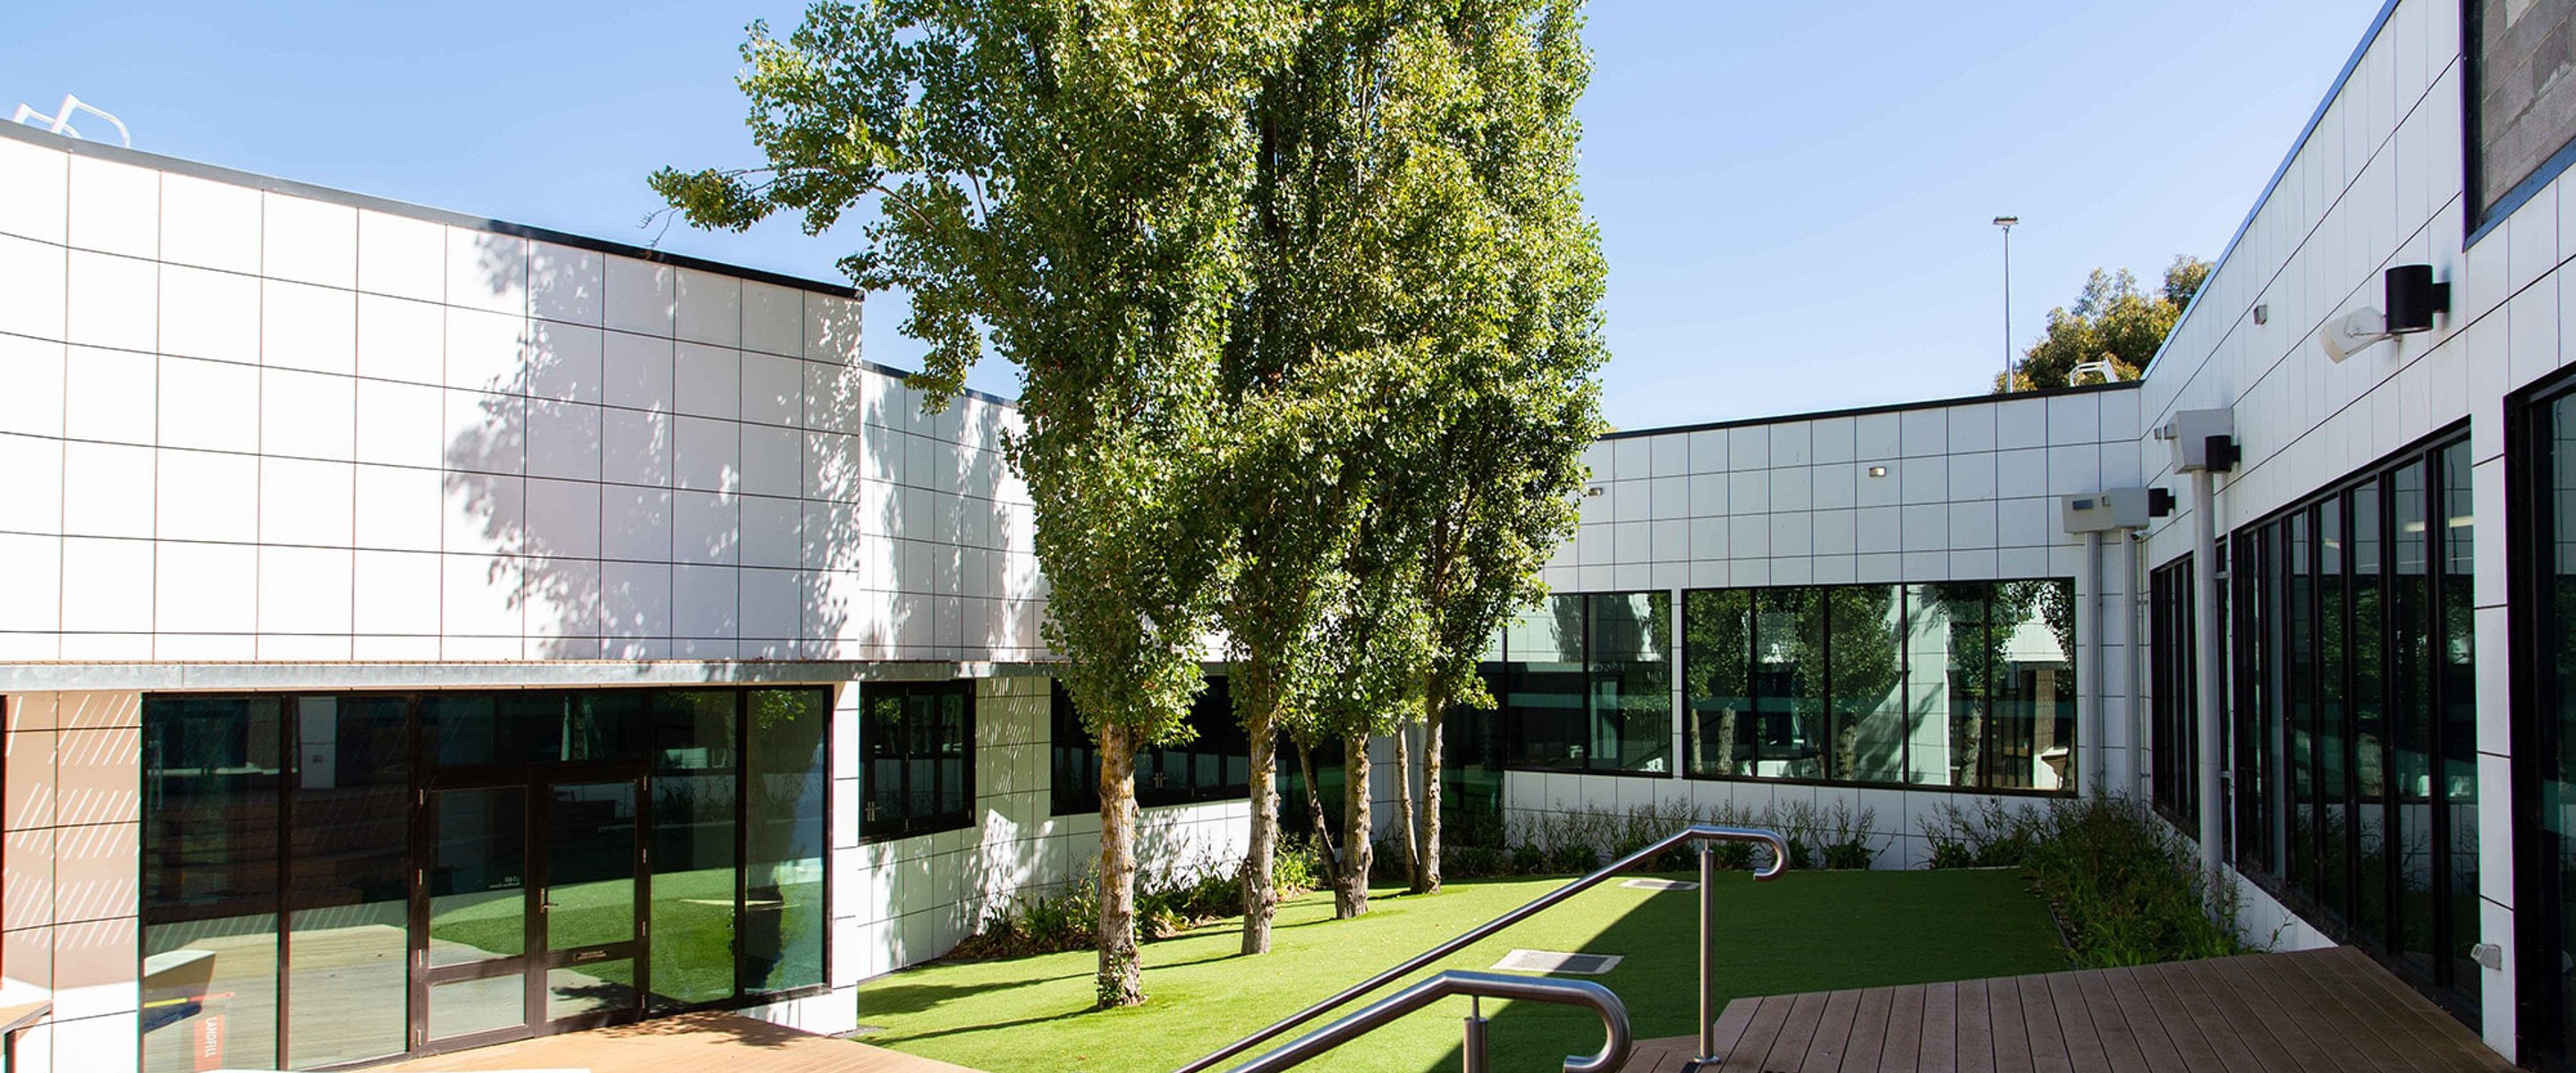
column 1121, row 981
column 1315, row 810
column 1426, row 878
column 1350, row 899
column 1260, row 893
column 1404, row 809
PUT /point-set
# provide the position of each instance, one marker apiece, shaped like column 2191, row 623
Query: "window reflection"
column 2354, row 723
column 1950, row 683
column 277, row 865
column 1588, row 684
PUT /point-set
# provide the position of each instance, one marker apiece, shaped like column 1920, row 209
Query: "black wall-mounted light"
column 2413, row 298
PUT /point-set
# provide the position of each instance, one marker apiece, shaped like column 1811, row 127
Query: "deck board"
column 2307, row 1012
column 1898, row 1052
column 1868, row 1031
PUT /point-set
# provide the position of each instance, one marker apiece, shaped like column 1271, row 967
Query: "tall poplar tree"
column 1066, row 181
column 1492, row 478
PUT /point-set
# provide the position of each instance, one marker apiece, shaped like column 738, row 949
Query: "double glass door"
column 531, row 918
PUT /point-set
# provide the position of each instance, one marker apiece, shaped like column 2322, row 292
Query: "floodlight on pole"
column 2006, row 223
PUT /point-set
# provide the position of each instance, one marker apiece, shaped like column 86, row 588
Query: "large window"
column 328, row 878
column 1587, row 684
column 2354, row 722
column 1210, row 760
column 1963, row 683
column 920, row 777
column 2173, row 714
column 2542, row 478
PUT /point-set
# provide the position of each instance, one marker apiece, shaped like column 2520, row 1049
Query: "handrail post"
column 1707, row 954
column 1474, row 1048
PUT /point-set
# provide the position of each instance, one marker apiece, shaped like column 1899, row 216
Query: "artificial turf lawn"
column 1807, row 931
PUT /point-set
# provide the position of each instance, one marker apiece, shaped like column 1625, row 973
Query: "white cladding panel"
column 256, row 424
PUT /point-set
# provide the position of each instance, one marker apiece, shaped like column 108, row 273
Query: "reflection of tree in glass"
column 1850, row 667
column 1714, row 674
column 1983, row 618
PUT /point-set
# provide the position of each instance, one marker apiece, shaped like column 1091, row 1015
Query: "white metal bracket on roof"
column 61, row 121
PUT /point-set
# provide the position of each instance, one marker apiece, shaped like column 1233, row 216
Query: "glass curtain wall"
column 2354, row 718
column 1949, row 683
column 1587, row 684
column 2173, row 714
column 279, row 879
column 1211, row 762
column 214, row 782
column 785, row 788
column 2542, row 481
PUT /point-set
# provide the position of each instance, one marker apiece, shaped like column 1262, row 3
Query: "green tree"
column 1376, row 640
column 1309, row 369
column 1411, row 375
column 1066, row 181
column 1490, row 463
column 2111, row 321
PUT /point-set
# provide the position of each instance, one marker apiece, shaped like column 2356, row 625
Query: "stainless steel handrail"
column 1376, row 1015
column 1699, row 833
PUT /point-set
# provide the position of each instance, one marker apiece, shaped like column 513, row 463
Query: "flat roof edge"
column 2342, row 78
column 270, row 183
column 1883, row 408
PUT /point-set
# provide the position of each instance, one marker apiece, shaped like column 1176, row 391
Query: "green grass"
column 1804, row 932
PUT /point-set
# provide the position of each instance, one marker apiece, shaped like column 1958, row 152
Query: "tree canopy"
column 1067, row 182
column 2113, row 321
column 1304, row 306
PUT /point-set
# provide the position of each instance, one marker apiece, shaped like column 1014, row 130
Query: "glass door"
column 532, row 902
column 478, row 929
column 589, row 907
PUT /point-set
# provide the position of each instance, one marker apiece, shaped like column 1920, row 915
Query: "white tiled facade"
column 1969, row 492
column 299, row 440
column 251, row 425
column 268, row 437
column 1956, row 491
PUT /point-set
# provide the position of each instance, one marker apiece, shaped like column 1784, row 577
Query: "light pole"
column 2006, row 223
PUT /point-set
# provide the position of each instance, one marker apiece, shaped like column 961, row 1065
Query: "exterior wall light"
column 2411, row 298
column 1878, row 471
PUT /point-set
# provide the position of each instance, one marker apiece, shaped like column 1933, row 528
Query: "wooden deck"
column 2316, row 1011
column 690, row 1043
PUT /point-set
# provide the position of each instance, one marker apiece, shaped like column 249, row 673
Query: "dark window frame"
column 2279, row 693
column 2173, row 709
column 874, row 827
column 1988, row 730
column 1073, row 757
column 2542, row 990
column 423, row 775
column 1510, row 674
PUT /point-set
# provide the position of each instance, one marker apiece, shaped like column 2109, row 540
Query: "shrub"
column 1579, row 841
column 1168, row 903
column 1984, row 835
column 2124, row 887
column 1528, row 859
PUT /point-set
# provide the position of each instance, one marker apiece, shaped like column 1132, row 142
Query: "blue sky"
column 1794, row 197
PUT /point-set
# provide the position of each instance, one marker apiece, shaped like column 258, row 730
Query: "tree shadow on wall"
column 633, row 497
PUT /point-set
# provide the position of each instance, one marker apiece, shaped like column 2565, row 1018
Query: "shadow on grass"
column 997, row 1026
column 918, row 998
